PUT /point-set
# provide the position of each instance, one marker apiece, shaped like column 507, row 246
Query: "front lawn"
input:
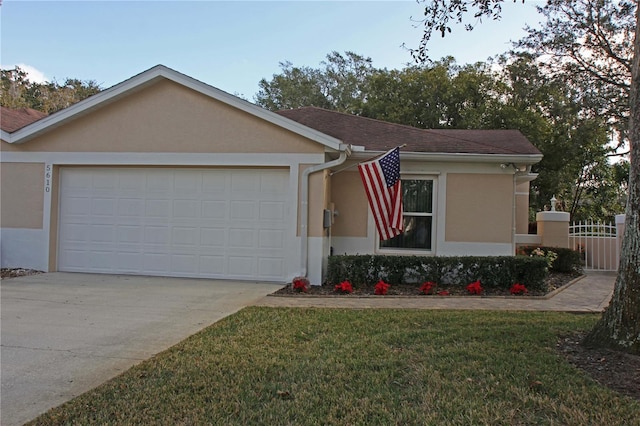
column 326, row 366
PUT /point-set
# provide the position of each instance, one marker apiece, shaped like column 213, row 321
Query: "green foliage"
column 19, row 92
column 339, row 84
column 568, row 260
column 494, row 272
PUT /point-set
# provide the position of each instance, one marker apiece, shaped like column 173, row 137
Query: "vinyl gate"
column 598, row 243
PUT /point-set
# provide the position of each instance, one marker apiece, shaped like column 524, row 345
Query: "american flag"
column 381, row 179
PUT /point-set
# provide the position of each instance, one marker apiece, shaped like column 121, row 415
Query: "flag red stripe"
column 385, row 202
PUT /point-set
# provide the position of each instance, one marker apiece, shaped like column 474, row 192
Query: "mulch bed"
column 554, row 281
column 17, row 272
column 616, row 370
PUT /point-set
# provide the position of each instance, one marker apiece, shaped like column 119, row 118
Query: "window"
column 417, row 204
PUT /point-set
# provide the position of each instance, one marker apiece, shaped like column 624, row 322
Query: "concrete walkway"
column 591, row 293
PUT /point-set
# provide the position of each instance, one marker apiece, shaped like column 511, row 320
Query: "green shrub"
column 567, row 261
column 499, row 272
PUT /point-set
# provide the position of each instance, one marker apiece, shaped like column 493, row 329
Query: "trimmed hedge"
column 567, row 261
column 494, row 272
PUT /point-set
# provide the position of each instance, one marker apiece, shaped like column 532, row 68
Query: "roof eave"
column 449, row 157
column 148, row 77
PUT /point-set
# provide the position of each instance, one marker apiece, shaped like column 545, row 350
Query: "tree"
column 590, row 43
column 619, row 326
column 49, row 97
column 340, row 85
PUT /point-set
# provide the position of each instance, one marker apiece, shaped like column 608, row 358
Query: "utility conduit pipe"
column 345, row 152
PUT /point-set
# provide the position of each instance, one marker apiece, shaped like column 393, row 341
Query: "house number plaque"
column 47, row 178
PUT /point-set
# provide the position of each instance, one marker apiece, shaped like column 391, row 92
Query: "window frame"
column 433, row 177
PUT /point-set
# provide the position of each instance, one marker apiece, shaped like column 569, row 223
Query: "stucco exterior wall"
column 22, row 195
column 167, row 117
column 350, row 201
column 479, row 208
column 522, row 208
column 316, row 204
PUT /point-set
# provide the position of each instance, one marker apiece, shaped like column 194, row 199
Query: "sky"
column 230, row 45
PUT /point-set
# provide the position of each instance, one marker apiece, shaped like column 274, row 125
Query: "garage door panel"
column 213, row 237
column 185, row 236
column 158, row 208
column 212, row 265
column 101, row 260
column 214, row 209
column 186, row 209
column 181, row 222
column 240, row 266
column 130, row 207
column 104, row 206
column 156, row 263
column 243, row 210
column 184, row 263
column 129, row 261
column 101, row 233
column 129, row 234
column 270, row 267
column 242, row 183
column 188, row 182
column 271, row 238
column 271, row 210
column 241, row 238
column 80, row 206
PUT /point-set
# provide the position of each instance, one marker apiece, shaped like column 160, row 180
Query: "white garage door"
column 215, row 223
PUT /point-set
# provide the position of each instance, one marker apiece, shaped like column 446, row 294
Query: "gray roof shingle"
column 376, row 135
column 15, row 119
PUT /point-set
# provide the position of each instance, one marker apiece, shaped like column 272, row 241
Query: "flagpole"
column 370, row 159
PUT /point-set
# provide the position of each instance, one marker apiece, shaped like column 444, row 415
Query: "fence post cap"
column 619, row 219
column 552, row 216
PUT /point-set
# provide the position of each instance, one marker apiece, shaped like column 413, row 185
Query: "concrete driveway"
column 65, row 333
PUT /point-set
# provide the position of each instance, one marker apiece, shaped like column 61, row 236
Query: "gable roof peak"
column 150, row 77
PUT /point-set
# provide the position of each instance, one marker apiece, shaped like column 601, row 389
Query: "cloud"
column 34, row 75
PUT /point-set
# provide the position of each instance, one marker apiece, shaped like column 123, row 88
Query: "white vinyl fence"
column 598, row 243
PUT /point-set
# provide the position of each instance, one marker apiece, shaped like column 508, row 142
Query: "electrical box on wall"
column 327, row 218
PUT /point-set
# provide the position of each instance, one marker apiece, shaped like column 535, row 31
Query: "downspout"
column 514, row 228
column 304, row 207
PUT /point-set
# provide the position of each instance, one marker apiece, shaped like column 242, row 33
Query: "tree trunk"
column 619, row 327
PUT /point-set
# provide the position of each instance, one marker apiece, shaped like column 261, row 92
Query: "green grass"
column 360, row 367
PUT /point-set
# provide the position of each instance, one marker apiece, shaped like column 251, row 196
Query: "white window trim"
column 434, row 218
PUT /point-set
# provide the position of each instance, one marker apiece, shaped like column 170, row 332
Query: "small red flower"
column 518, row 289
column 381, row 288
column 443, row 293
column 475, row 287
column 301, row 284
column 344, row 287
column 427, row 287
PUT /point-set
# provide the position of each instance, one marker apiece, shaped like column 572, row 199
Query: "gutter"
column 462, row 157
column 345, row 152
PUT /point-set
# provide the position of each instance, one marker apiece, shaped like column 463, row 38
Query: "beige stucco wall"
column 479, row 208
column 21, row 195
column 553, row 227
column 522, row 208
column 167, row 117
column 350, row 200
column 317, row 202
